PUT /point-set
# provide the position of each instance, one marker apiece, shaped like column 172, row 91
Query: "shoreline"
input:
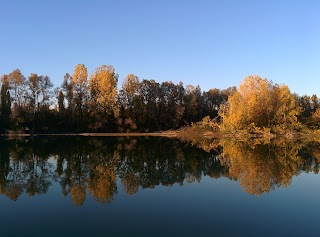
column 181, row 134
column 133, row 134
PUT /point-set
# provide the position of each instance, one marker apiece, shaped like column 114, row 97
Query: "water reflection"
column 91, row 166
column 262, row 165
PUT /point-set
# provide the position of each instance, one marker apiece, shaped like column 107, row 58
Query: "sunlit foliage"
column 258, row 102
column 104, row 90
column 94, row 103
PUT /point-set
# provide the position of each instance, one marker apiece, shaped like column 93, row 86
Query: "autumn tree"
column 129, row 103
column 286, row 108
column 130, row 88
column 315, row 118
column 16, row 85
column 260, row 103
column 103, row 91
column 80, row 91
column 17, row 92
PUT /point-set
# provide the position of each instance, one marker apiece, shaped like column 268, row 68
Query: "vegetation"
column 259, row 103
column 260, row 108
column 94, row 103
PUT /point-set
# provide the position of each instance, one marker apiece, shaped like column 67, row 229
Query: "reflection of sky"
column 216, row 206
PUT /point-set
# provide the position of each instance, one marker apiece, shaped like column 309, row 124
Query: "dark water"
column 70, row 186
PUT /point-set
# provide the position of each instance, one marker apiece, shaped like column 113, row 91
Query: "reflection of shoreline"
column 93, row 166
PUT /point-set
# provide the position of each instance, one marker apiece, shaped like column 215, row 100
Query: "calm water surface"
column 70, row 186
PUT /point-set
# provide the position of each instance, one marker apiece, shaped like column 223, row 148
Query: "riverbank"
column 187, row 133
column 197, row 132
column 133, row 134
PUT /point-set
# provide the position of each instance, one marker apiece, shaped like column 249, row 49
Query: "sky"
column 214, row 43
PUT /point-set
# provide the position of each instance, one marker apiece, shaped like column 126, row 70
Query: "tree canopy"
column 260, row 103
column 94, row 103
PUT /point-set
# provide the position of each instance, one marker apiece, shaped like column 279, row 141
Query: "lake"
column 140, row 186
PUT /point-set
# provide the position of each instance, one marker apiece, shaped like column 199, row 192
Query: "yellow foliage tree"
column 130, row 88
column 80, row 80
column 260, row 103
column 130, row 85
column 80, row 86
column 315, row 118
column 104, row 91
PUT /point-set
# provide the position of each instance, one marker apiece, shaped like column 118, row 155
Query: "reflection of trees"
column 23, row 171
column 88, row 165
column 72, row 171
column 78, row 194
column 92, row 166
column 161, row 162
column 262, row 167
column 102, row 179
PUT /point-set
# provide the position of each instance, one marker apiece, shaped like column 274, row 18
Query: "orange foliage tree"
column 260, row 103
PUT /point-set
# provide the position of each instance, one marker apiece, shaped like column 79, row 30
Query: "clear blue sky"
column 212, row 43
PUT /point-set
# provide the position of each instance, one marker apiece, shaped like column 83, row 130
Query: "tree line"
column 94, row 103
